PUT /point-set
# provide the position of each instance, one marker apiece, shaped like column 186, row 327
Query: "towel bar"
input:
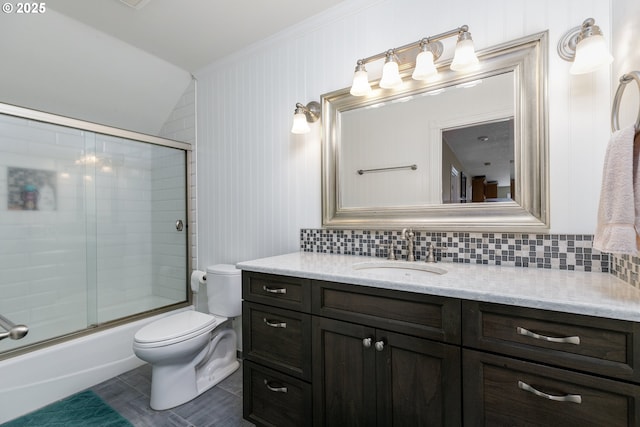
column 615, row 110
column 363, row 171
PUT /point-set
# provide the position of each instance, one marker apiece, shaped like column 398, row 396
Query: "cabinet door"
column 419, row 381
column 343, row 374
column 274, row 399
column 503, row 391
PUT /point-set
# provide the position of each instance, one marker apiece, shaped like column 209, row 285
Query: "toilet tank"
column 224, row 290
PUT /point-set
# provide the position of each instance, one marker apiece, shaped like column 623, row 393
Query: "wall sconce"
column 585, row 47
column 303, row 115
column 430, row 50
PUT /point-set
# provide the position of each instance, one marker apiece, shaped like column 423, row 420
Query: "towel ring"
column 615, row 110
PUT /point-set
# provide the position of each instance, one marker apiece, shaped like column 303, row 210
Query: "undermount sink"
column 392, row 269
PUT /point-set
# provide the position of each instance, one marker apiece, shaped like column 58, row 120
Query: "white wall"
column 258, row 184
column 56, row 64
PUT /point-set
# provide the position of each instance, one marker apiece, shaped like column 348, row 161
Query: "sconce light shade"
column 390, row 73
column 300, row 124
column 360, row 85
column 464, row 58
column 591, row 54
column 586, row 47
column 425, row 68
column 304, row 115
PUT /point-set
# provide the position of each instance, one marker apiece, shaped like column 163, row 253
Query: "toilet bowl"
column 190, row 352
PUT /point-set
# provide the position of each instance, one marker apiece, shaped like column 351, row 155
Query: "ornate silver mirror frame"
column 527, row 59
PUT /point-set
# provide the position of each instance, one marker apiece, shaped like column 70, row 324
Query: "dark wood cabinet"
column 322, row 353
column 505, row 391
column 372, row 377
column 272, row 398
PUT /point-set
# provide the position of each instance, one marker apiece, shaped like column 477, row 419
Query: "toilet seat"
column 176, row 328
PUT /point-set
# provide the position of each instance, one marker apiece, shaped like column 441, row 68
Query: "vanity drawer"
column 504, row 391
column 274, row 399
column 425, row 316
column 281, row 291
column 278, row 338
column 602, row 346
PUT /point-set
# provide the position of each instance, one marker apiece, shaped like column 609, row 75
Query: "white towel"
column 619, row 209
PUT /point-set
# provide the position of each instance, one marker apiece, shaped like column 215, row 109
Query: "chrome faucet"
column 409, row 236
column 430, row 257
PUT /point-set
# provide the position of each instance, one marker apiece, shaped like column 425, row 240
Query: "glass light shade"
column 591, row 54
column 425, row 68
column 300, row 124
column 360, row 86
column 465, row 57
column 390, row 75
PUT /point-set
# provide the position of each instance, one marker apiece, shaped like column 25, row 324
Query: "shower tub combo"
column 93, row 245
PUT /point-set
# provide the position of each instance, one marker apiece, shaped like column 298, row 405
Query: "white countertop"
column 595, row 294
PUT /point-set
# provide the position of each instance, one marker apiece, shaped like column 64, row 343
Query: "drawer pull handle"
column 274, row 290
column 564, row 340
column 573, row 398
column 274, row 323
column 366, row 343
column 379, row 345
column 275, row 389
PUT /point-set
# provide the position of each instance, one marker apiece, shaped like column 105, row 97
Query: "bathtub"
column 35, row 379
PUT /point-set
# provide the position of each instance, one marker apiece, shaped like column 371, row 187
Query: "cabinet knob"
column 366, row 343
column 379, row 345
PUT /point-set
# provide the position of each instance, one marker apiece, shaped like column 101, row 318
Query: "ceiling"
column 190, row 33
column 485, row 149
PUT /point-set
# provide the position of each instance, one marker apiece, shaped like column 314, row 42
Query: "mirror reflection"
column 478, row 163
column 393, row 152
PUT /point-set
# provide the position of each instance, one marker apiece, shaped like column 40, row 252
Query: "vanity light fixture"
column 430, row 49
column 303, row 115
column 586, row 47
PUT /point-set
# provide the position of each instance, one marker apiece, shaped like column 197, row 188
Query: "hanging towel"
column 619, row 209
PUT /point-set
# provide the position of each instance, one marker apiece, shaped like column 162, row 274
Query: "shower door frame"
column 50, row 118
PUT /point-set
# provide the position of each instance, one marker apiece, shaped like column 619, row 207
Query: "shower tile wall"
column 43, row 261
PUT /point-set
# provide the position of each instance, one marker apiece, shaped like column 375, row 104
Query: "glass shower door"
column 140, row 252
column 89, row 226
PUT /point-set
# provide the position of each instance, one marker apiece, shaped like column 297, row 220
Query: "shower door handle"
column 179, row 225
column 13, row 331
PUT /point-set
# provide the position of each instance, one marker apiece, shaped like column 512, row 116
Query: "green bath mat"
column 84, row 409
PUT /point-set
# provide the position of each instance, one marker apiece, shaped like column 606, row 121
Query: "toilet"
column 190, row 352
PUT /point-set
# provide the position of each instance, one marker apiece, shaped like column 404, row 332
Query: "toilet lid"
column 182, row 325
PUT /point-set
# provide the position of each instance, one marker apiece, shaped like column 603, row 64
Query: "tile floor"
column 221, row 406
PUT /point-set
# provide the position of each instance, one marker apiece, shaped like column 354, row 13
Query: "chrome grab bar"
column 13, row 331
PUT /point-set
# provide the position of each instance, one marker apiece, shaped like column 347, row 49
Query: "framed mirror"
column 467, row 152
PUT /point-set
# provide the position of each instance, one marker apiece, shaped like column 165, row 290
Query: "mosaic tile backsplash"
column 558, row 251
column 626, row 268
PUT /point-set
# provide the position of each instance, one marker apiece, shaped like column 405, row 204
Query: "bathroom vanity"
column 344, row 340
